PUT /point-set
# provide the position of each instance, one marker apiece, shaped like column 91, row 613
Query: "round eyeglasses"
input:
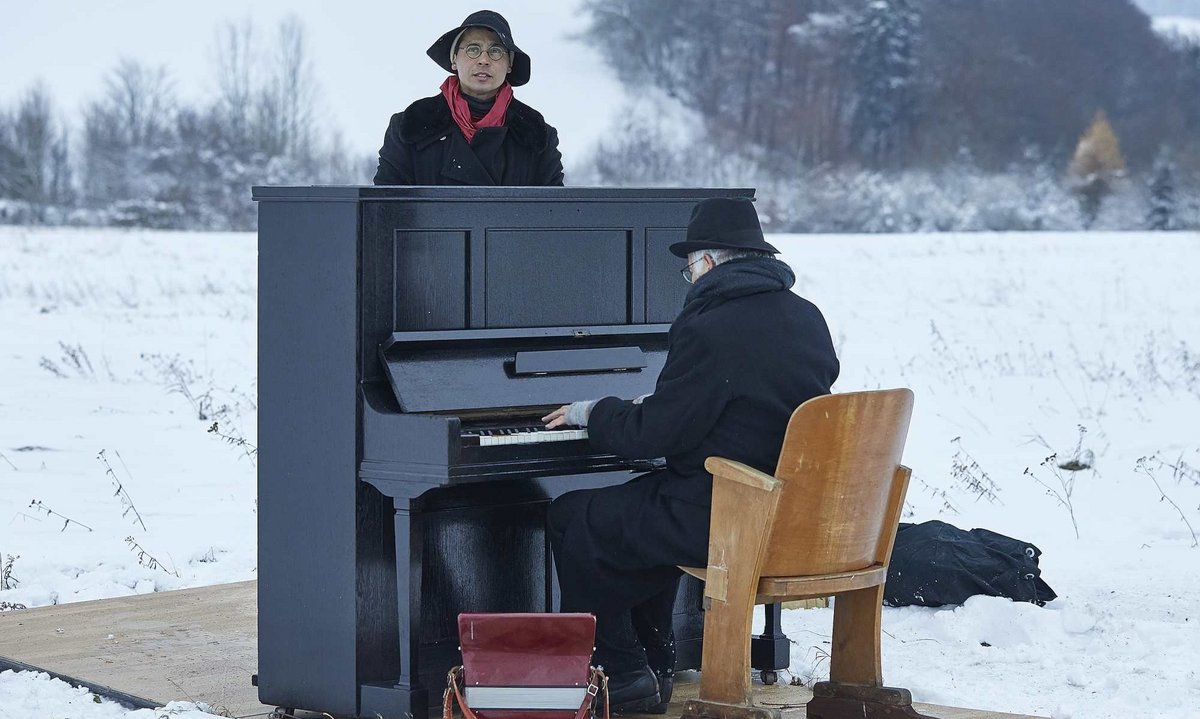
column 687, row 271
column 495, row 52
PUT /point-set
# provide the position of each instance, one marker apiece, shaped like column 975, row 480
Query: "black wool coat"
column 423, row 146
column 737, row 366
column 742, row 355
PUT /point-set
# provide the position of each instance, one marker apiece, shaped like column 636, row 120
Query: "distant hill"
column 905, row 83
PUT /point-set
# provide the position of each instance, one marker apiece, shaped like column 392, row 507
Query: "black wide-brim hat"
column 439, row 51
column 721, row 223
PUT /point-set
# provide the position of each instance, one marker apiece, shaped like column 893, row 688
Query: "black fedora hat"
column 721, row 223
column 440, row 50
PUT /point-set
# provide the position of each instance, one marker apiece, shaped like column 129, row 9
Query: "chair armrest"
column 744, row 501
column 738, row 472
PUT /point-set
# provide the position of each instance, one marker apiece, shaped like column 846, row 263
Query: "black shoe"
column 666, row 684
column 660, row 652
column 633, row 691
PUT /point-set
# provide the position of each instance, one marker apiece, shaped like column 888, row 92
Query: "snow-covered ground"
column 120, row 350
column 34, row 695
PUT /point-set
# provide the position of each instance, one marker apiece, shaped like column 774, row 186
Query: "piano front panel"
column 557, row 278
column 488, row 558
column 432, row 269
column 664, row 298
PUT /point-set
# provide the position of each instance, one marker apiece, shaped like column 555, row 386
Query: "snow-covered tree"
column 885, row 69
column 1162, row 215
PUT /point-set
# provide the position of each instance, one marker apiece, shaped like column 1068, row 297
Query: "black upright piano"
column 409, row 340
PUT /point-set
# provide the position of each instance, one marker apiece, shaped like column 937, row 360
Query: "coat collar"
column 428, row 120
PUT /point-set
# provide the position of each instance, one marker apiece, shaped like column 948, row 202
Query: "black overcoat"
column 735, row 372
column 738, row 364
column 423, row 146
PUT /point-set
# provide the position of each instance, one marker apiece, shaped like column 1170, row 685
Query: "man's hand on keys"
column 575, row 414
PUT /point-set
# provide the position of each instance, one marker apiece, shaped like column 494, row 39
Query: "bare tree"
column 8, row 157
column 33, row 135
column 123, row 129
column 234, row 60
column 286, row 115
column 35, row 156
column 141, row 100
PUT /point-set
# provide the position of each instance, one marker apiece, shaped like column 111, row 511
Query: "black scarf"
column 478, row 107
column 736, row 278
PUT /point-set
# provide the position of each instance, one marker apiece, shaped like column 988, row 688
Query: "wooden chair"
column 823, row 526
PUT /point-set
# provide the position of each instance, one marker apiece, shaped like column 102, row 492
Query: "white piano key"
column 526, row 435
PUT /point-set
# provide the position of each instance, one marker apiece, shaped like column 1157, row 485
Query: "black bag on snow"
column 935, row 564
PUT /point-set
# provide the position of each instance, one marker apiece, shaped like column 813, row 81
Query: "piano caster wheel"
column 769, row 677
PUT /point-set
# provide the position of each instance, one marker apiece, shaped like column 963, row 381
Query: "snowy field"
column 121, row 349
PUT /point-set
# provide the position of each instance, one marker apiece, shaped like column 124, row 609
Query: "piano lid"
column 505, row 370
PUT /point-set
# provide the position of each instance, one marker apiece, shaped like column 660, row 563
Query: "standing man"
column 742, row 355
column 474, row 132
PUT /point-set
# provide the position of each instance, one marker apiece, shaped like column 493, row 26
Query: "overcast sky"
column 1185, row 8
column 368, row 56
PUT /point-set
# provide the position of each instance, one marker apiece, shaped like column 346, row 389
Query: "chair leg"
column 855, row 688
column 724, row 675
column 734, row 558
column 832, row 700
column 857, row 623
column 726, row 661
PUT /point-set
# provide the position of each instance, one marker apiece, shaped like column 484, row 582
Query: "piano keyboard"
column 535, row 434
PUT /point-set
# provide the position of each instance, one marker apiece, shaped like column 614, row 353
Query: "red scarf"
column 462, row 113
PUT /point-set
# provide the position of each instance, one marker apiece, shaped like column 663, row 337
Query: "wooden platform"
column 193, row 644
column 201, row 645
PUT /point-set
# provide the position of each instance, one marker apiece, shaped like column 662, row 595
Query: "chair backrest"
column 842, row 493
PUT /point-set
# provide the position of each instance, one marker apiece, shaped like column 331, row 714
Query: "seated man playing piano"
column 743, row 354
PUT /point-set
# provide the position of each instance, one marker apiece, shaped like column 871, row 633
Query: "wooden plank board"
column 201, row 645
column 790, row 700
column 196, row 644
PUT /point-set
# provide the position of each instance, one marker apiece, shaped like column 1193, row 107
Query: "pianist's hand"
column 576, row 414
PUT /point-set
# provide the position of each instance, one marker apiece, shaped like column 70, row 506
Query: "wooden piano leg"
column 407, row 696
column 771, row 650
column 409, row 545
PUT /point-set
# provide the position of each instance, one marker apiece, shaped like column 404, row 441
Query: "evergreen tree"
column 884, row 67
column 1096, row 166
column 1162, row 194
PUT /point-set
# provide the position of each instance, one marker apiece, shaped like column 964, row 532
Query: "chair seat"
column 777, row 589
